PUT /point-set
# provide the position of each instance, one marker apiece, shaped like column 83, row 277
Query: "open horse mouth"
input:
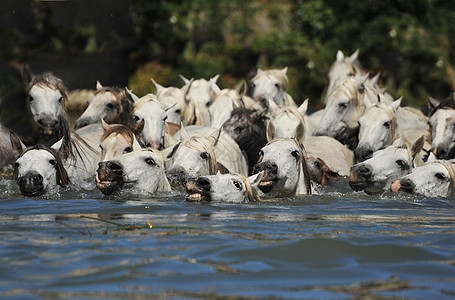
column 197, row 190
column 267, row 183
column 32, row 193
column 108, row 181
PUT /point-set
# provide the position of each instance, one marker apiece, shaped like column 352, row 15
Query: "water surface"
column 340, row 244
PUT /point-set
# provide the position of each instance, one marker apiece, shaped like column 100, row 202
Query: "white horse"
column 46, row 96
column 193, row 157
column 201, row 93
column 39, row 171
column 271, row 84
column 110, row 103
column 284, row 164
column 174, row 100
column 116, row 140
column 227, row 151
column 231, row 188
column 140, row 170
column 150, row 123
column 344, row 67
column 383, row 123
column 376, row 174
column 344, row 108
column 433, row 179
column 442, row 121
column 285, row 119
column 226, row 101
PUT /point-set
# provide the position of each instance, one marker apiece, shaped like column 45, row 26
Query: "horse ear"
column 300, row 133
column 354, row 56
column 186, row 89
column 396, row 104
column 242, row 88
column 170, row 151
column 16, row 143
column 255, row 179
column 271, row 132
column 361, row 79
column 215, row 136
column 213, row 86
column 374, row 81
column 184, row 136
column 284, row 70
column 158, row 87
column 185, row 81
column 26, row 74
column 98, row 85
column 137, row 129
column 132, row 95
column 104, row 124
column 432, row 102
column 418, row 145
column 303, row 107
column 340, row 55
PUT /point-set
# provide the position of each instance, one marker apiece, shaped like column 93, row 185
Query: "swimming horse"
column 46, row 96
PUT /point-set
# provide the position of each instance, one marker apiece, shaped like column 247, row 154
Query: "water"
column 339, row 244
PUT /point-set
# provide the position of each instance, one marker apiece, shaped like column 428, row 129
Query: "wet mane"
column 203, row 145
column 251, row 194
column 450, row 104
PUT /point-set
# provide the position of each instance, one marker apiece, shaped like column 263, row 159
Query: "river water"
column 340, row 244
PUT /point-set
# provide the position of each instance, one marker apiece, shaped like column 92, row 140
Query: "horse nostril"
column 273, row 169
column 441, row 153
column 113, row 166
column 407, row 186
column 203, row 182
column 365, row 172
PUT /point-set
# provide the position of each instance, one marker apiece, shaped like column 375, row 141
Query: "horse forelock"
column 149, row 98
column 450, row 167
column 273, row 73
column 122, row 130
column 349, row 87
column 49, row 80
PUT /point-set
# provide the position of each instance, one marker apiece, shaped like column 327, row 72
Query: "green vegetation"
column 409, row 42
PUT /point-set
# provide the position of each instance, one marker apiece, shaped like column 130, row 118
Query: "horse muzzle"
column 31, row 184
column 109, row 177
column 270, row 177
column 198, row 189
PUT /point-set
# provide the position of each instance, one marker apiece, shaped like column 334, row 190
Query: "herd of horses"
column 234, row 145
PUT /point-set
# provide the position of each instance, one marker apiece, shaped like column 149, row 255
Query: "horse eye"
column 207, row 104
column 253, row 85
column 150, row 161
column 60, row 99
column 53, row 162
column 101, row 147
column 30, row 98
column 110, row 105
column 178, row 111
column 440, row 176
column 128, row 150
column 136, row 119
column 238, row 129
column 317, row 164
column 386, row 124
column 400, row 162
column 237, row 184
column 342, row 105
column 295, row 153
column 16, row 165
column 165, row 118
column 277, row 85
column 204, row 155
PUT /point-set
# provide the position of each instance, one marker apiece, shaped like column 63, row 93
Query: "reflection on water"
column 335, row 245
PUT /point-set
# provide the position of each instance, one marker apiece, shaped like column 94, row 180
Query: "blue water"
column 339, row 244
